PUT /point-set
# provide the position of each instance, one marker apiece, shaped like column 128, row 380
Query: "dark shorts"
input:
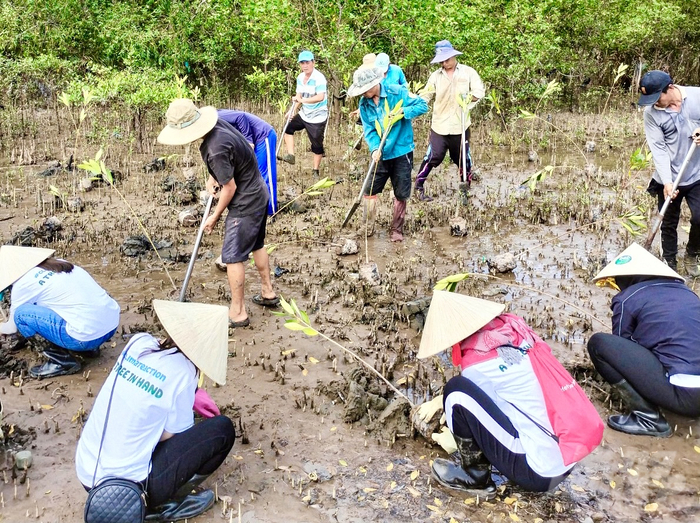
column 314, row 130
column 243, row 235
column 398, row 170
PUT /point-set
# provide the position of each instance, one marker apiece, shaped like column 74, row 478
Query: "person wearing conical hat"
column 142, row 428
column 239, row 190
column 497, row 410
column 652, row 357
column 58, row 301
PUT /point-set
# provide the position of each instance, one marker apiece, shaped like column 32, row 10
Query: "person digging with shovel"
column 395, row 161
column 651, row 359
column 235, row 181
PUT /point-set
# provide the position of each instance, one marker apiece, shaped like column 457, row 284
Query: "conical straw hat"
column 453, row 317
column 200, row 331
column 15, row 262
column 635, row 260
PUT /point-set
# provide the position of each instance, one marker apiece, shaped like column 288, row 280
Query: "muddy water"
column 309, row 447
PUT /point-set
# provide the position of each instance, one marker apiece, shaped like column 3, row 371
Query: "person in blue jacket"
column 393, row 74
column 395, row 161
column 652, row 357
column 261, row 135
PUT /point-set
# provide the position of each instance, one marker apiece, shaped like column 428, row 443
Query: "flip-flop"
column 242, row 323
column 266, row 302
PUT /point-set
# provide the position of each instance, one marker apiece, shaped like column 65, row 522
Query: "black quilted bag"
column 116, row 501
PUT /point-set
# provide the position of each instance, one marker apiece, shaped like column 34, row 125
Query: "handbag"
column 116, row 501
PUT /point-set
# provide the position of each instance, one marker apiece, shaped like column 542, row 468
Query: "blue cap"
column 306, row 56
column 382, row 62
column 652, row 85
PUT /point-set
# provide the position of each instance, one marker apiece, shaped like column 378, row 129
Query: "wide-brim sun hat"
column 382, row 62
column 186, row 123
column 635, row 260
column 363, row 80
column 444, row 51
column 368, row 61
column 453, row 317
column 16, row 261
column 200, row 331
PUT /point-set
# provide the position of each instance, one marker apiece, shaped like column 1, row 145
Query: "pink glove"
column 204, row 405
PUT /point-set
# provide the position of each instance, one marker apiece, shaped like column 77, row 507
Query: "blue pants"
column 33, row 319
column 264, row 152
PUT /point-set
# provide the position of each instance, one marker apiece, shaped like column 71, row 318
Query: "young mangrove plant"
column 84, row 105
column 298, row 320
column 315, row 190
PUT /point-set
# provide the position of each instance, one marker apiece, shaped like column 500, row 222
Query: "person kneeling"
column 142, row 425
column 513, row 406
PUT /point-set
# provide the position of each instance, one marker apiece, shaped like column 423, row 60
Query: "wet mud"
column 319, row 437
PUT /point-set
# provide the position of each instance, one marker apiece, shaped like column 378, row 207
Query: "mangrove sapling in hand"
column 97, row 167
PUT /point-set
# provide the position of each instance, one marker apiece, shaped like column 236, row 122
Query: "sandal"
column 266, row 302
column 235, row 324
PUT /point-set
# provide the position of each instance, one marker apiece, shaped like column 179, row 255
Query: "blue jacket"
column 662, row 315
column 400, row 140
column 394, row 76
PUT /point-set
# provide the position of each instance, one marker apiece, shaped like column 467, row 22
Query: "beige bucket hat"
column 635, row 260
column 16, row 261
column 199, row 330
column 453, row 317
column 363, row 80
column 368, row 61
column 186, row 123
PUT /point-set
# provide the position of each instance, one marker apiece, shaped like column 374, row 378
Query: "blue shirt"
column 400, row 140
column 394, row 76
column 253, row 129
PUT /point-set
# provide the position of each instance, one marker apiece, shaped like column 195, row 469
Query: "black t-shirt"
column 227, row 156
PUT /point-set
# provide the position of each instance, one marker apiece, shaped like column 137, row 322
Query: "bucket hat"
column 652, row 85
column 453, row 317
column 16, row 261
column 186, row 123
column 368, row 61
column 305, row 56
column 200, row 331
column 382, row 62
column 363, row 80
column 444, row 51
column 635, row 260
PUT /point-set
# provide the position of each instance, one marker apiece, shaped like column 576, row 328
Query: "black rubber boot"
column 643, row 418
column 185, row 503
column 59, row 362
column 474, row 475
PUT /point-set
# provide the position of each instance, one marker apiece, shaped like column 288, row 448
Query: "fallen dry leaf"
column 514, row 516
column 633, row 472
column 390, row 467
column 305, row 372
column 414, row 492
column 577, row 488
column 612, row 484
column 437, row 502
column 434, row 509
column 343, row 462
column 651, row 507
column 313, row 360
column 510, row 501
column 367, row 490
column 697, row 449
column 657, row 483
column 415, row 475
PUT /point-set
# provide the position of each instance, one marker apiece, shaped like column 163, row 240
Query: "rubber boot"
column 420, row 194
column 185, row 504
column 397, row 220
column 370, row 213
column 59, row 362
column 474, row 474
column 643, row 418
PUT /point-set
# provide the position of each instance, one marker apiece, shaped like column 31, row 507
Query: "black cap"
column 651, row 86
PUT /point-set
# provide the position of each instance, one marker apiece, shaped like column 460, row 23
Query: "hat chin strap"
column 182, row 125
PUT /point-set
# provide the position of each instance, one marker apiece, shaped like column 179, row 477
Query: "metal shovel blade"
column 350, row 212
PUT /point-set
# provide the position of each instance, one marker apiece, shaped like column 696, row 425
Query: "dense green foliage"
column 133, row 50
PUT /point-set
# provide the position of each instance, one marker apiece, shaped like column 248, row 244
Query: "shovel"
column 197, row 242
column 464, row 149
column 662, row 212
column 280, row 138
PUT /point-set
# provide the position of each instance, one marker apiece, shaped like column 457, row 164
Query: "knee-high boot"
column 642, row 418
column 397, row 220
column 474, row 474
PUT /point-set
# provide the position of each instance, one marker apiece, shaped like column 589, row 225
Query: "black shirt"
column 228, row 156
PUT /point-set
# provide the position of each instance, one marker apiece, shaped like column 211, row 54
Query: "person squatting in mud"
column 513, row 406
column 449, row 129
column 651, row 359
column 58, row 301
column 146, row 433
column 235, row 182
column 395, row 161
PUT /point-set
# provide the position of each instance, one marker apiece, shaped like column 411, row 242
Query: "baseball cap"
column 382, row 62
column 651, row 86
column 305, row 56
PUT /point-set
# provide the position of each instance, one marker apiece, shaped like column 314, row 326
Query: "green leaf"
column 293, row 326
column 64, row 99
column 286, row 306
column 450, row 282
column 378, row 127
column 527, row 115
column 397, row 107
column 99, row 154
column 386, row 122
column 310, row 332
column 386, row 106
column 305, row 317
column 314, row 193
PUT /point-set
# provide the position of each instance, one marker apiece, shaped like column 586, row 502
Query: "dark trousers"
column 617, row 359
column 669, row 226
column 198, row 450
column 398, row 170
column 474, row 423
column 437, row 149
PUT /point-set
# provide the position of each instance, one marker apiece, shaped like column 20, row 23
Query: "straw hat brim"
column 205, row 123
column 200, row 331
column 446, row 55
column 16, row 261
column 357, row 90
column 635, row 260
column 453, row 317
